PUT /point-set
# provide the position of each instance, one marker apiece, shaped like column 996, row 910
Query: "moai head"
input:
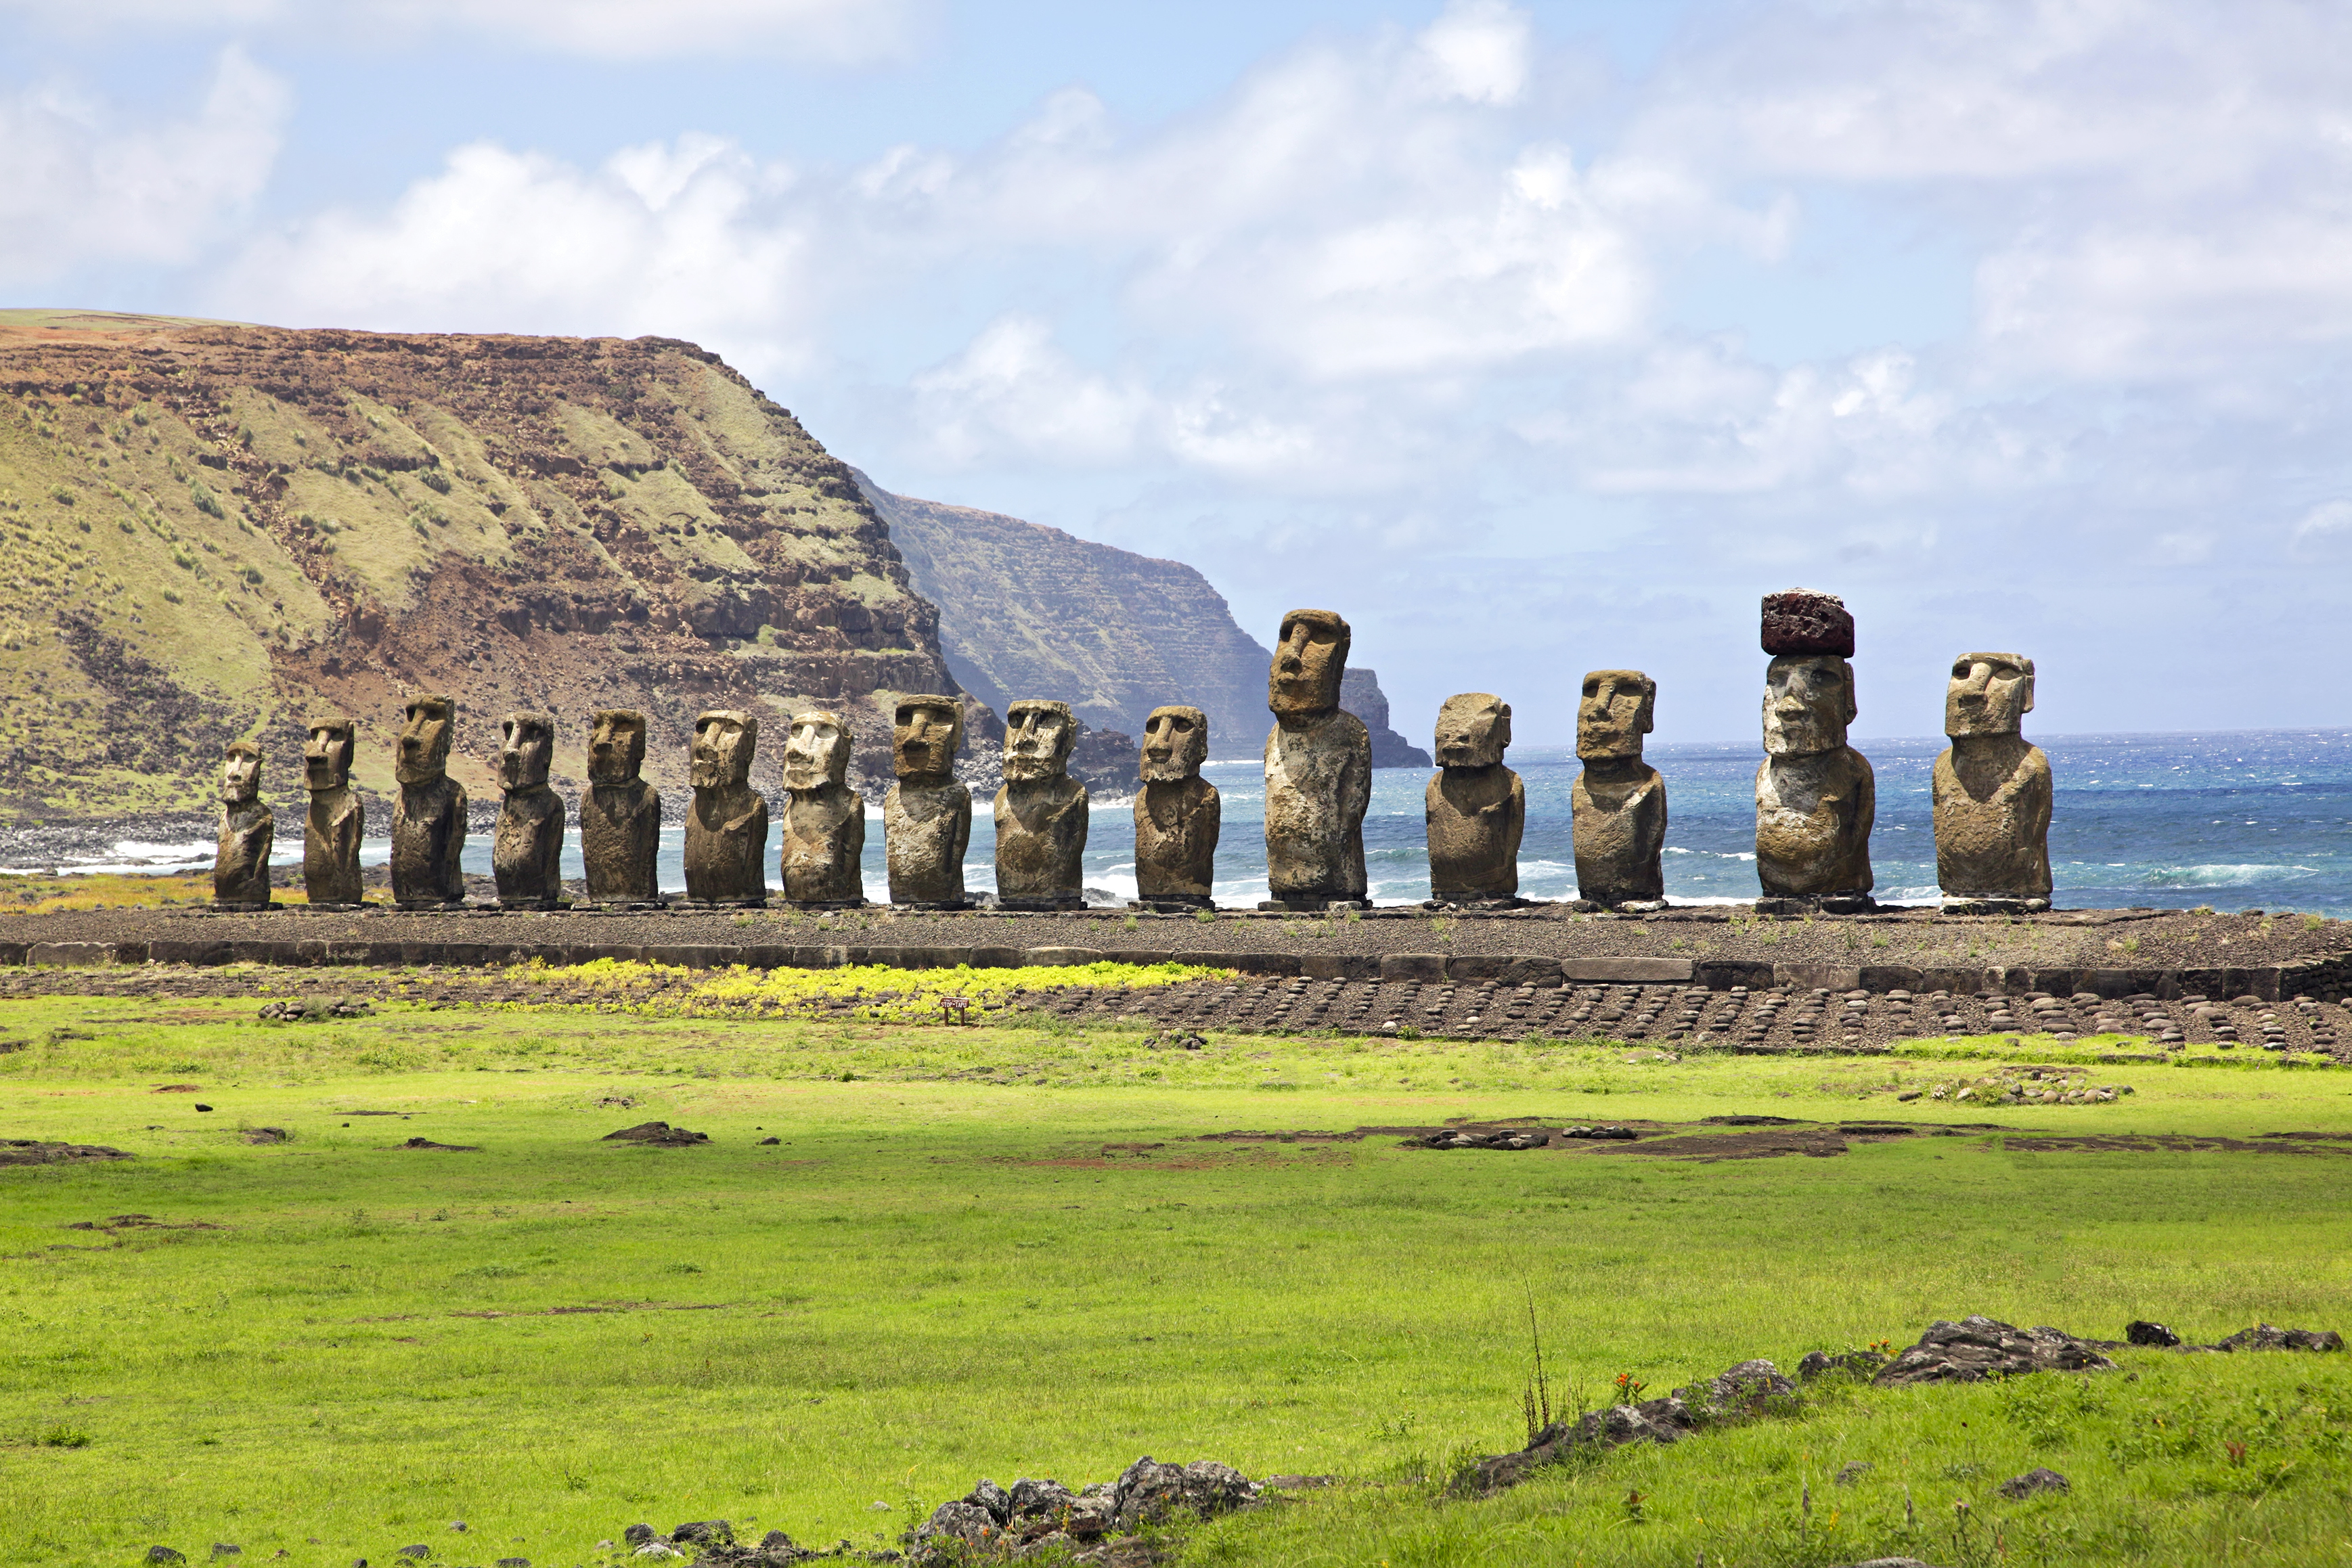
column 425, row 724
column 327, row 754
column 816, row 752
column 724, row 739
column 616, row 746
column 1175, row 744
column 240, row 772
column 1038, row 736
column 1808, row 703
column 1989, row 694
column 526, row 750
column 1307, row 664
column 926, row 734
column 1618, row 708
column 1473, row 729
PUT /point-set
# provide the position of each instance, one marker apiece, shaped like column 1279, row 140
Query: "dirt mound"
column 33, row 1152
column 657, row 1135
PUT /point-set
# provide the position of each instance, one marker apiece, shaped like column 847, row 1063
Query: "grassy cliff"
column 208, row 531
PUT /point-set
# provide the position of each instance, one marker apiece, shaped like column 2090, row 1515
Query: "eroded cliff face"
column 212, row 531
column 1028, row 610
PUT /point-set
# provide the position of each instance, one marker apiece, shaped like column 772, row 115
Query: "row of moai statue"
column 1815, row 800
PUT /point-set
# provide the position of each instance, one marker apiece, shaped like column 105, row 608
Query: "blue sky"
column 1533, row 337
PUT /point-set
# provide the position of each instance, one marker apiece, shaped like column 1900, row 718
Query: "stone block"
column 1041, row 955
column 14, row 952
column 997, row 957
column 1824, row 976
column 1477, row 967
column 1722, row 974
column 1399, row 968
column 73, row 954
column 1266, row 963
column 1146, row 956
column 1627, row 971
column 1889, row 978
column 177, row 952
column 1961, row 982
column 1533, row 970
column 1340, row 966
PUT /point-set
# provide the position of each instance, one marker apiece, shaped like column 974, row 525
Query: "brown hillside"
column 208, row 531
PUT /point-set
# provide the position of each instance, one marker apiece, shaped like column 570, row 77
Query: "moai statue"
column 1992, row 791
column 1041, row 811
column 1620, row 802
column 428, row 819
column 927, row 815
column 336, row 821
column 1319, row 770
column 241, row 859
column 727, row 832
column 1815, row 796
column 526, row 854
column 620, row 817
column 1177, row 813
column 824, row 820
column 1475, row 807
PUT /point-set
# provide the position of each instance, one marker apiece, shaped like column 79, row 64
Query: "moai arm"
column 452, row 864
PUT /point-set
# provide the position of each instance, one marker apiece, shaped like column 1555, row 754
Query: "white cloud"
column 834, row 32
column 82, row 186
column 2323, row 531
column 1014, row 388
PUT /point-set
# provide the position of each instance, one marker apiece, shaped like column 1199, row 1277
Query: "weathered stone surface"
column 1743, row 1385
column 1816, row 797
column 1476, row 809
column 660, row 1134
column 824, row 821
column 1660, row 1421
column 336, row 821
column 1858, row 1363
column 2141, row 1332
column 2041, row 1479
column 2266, row 1336
column 620, row 817
column 927, row 815
column 241, row 856
column 1804, row 624
column 960, row 1522
column 1318, row 766
column 1620, row 801
column 526, row 851
column 428, row 817
column 1149, row 1492
column 1979, row 1347
column 727, row 831
column 1992, row 788
column 1041, row 811
column 1178, row 814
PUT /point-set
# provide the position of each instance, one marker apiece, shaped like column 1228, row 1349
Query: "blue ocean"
column 2246, row 819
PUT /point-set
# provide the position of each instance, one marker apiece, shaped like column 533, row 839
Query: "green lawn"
column 1008, row 1251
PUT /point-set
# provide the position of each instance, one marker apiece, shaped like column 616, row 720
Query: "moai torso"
column 1993, row 789
column 926, row 828
column 1319, row 784
column 1041, row 810
column 620, row 817
column 824, row 819
column 1178, row 814
column 241, row 856
column 428, row 818
column 1619, row 804
column 1476, row 810
column 727, row 829
column 335, row 822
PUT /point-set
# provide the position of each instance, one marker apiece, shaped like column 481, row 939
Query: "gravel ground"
column 2115, row 939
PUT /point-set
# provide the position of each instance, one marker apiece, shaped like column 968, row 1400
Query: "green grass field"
column 1016, row 1252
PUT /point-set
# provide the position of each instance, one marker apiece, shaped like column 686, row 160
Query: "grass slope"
column 1006, row 1251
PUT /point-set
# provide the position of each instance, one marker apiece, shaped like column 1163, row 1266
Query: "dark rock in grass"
column 2145, row 1333
column 266, row 1134
column 1891, row 1563
column 445, row 1149
column 1037, row 1499
column 987, row 1494
column 710, row 1530
column 776, row 1539
column 1979, row 1347
column 203, row 1107
column 1501, row 1138
column 1851, row 1471
column 657, row 1135
column 2264, row 1336
column 33, row 1152
column 1148, row 1491
column 1745, row 1387
column 165, row 1554
column 1821, row 1363
column 959, row 1522
column 514, row 1562
column 2038, row 1480
column 226, row 1549
column 765, row 1142
column 417, row 1553
column 637, row 1534
column 1658, row 1421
